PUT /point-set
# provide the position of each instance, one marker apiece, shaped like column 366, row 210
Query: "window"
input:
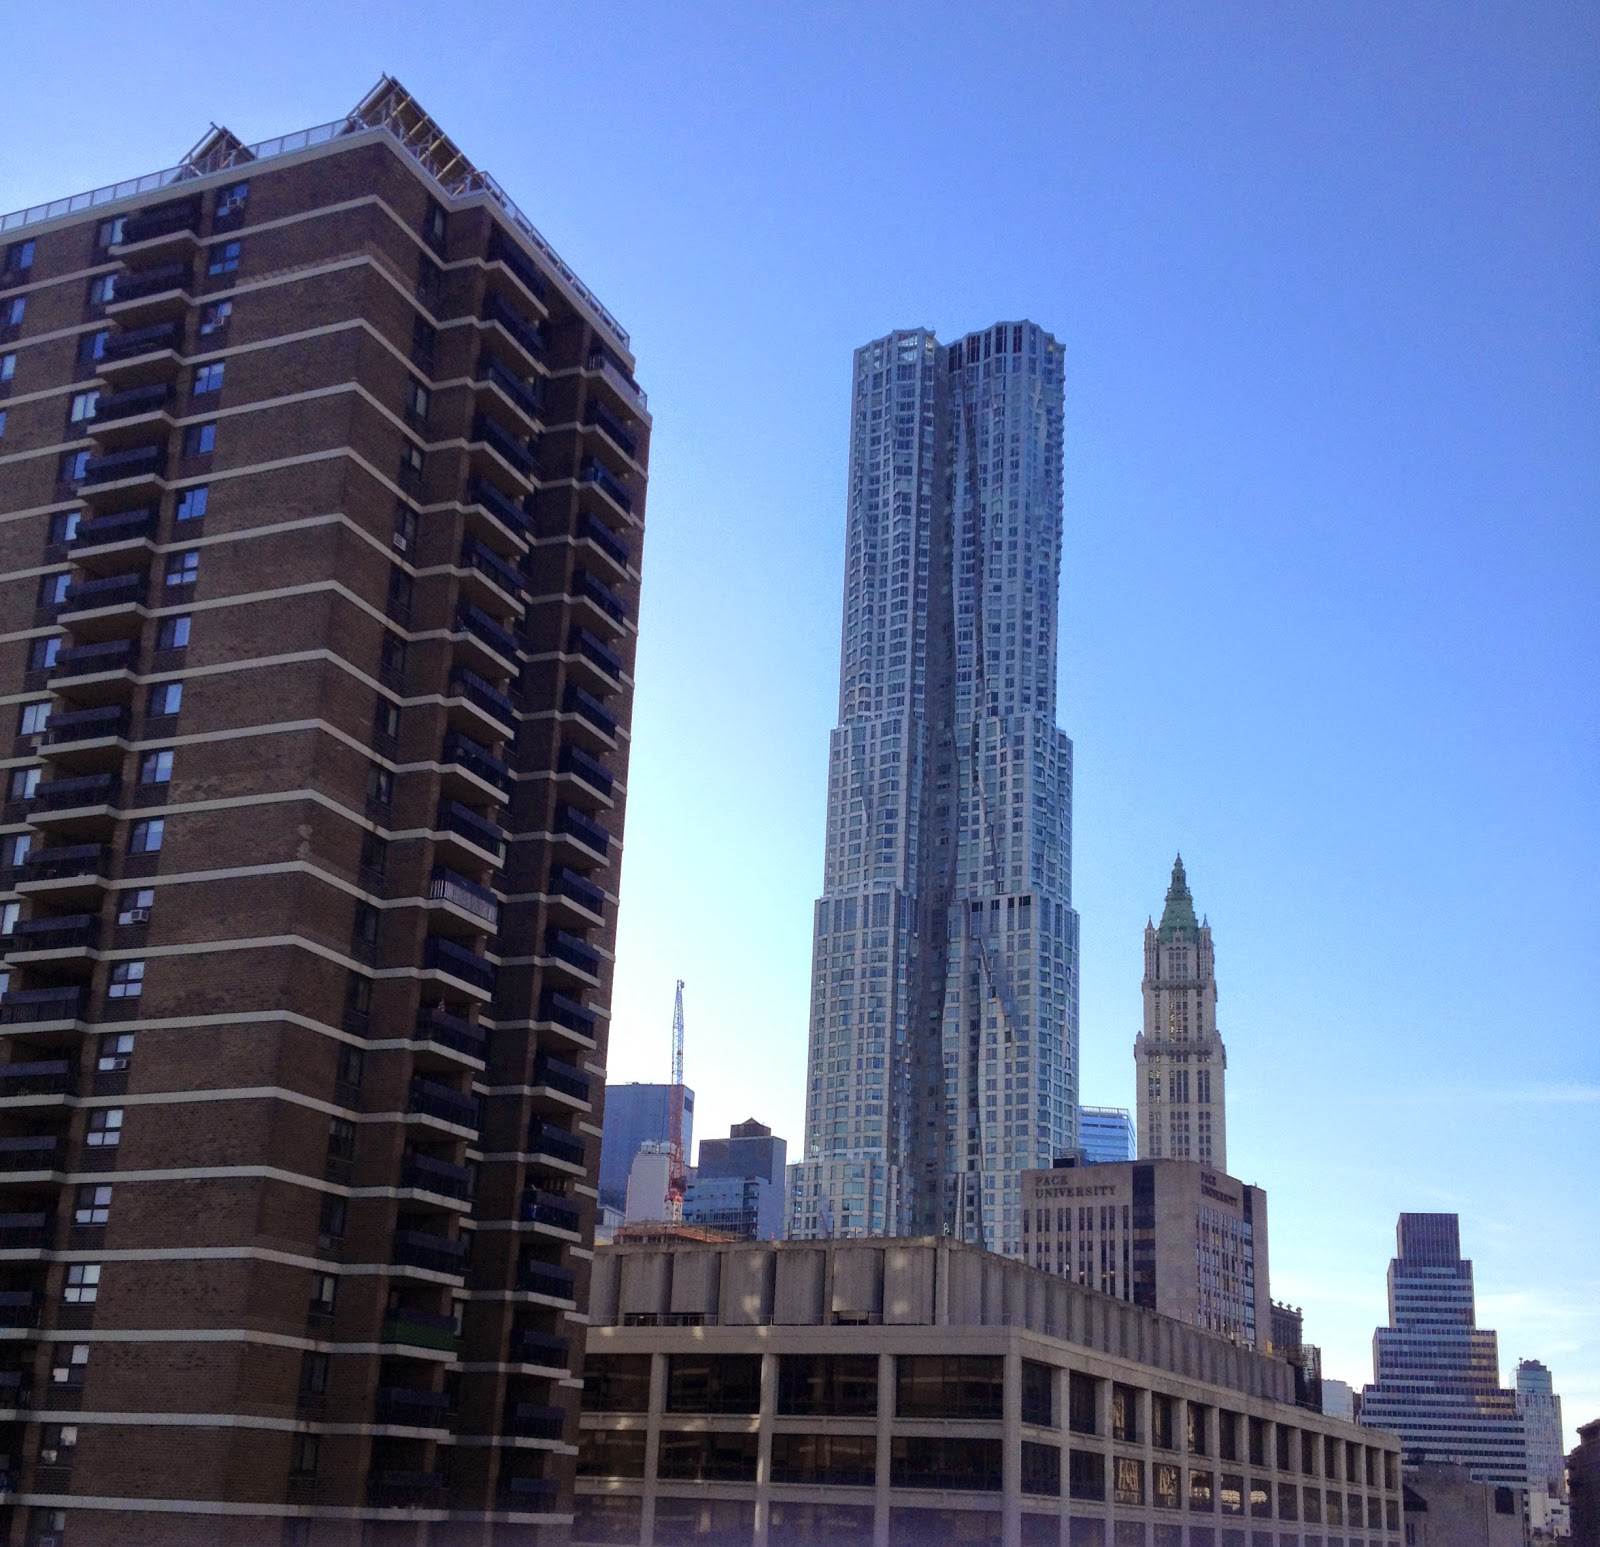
column 8, row 367
column 714, row 1383
column 92, row 346
column 304, row 1460
column 839, row 1460
column 146, row 836
column 949, row 1386
column 412, row 463
column 183, row 568
column 374, row 853
column 416, row 400
column 13, row 311
column 193, row 501
column 14, row 849
column 435, row 225
column 9, row 914
column 73, row 464
column 405, row 528
column 314, row 1373
column 23, row 784
column 840, row 1385
column 102, row 289
column 42, row 653
column 224, row 259
column 64, row 525
column 34, row 718
column 127, row 980
column 58, row 1442
column 156, row 767
column 605, row 1453
column 83, row 407
column 341, row 1138
column 231, row 201
column 1127, row 1485
column 324, row 1291
column 115, row 1051
column 940, row 1461
column 19, row 256
column 380, row 785
column 392, row 661
column 366, row 924
column 68, row 1362
column 199, row 440
column 105, row 1128
column 83, row 1283
column 620, row 1383
column 335, row 1215
column 208, row 378
column 386, row 720
column 214, row 318
column 352, row 1061
column 1038, row 1396
column 400, row 592
column 1041, row 1469
column 166, row 698
column 424, row 338
column 2, row 421
column 173, row 633
column 110, row 232
column 53, row 589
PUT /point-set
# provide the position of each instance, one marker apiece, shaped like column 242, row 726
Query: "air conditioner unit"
column 400, row 542
column 134, row 916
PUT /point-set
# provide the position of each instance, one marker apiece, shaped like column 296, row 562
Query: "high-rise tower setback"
column 943, row 1032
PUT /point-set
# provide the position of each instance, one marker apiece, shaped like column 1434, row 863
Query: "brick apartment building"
column 321, row 507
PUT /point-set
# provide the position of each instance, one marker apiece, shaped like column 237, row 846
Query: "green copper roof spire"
column 1177, row 918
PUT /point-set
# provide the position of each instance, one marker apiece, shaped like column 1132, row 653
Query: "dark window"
column 1041, row 1469
column 365, row 930
column 303, row 1462
column 314, row 1373
column 173, row 633
column 1166, row 1486
column 166, row 698
column 1286, row 1449
column 214, row 318
column 53, row 589
column 341, row 1138
column 1127, row 1480
column 424, row 339
column 199, row 440
column 1038, row 1394
column 102, row 289
column 1081, row 1403
column 707, row 1458
column 435, row 225
column 405, row 529
column 92, row 346
column 1200, row 1491
column 335, row 1215
column 1258, row 1442
column 64, row 525
column 400, row 592
column 146, row 836
column 110, row 232
column 713, row 1383
column 838, row 1460
column 380, row 785
column 1230, row 1494
column 73, row 464
column 13, row 311
column 616, row 1383
column 1161, row 1422
column 42, row 653
column 224, row 259
column 156, row 767
column 843, row 1385
column 611, row 1453
column 940, row 1461
column 1227, row 1435
column 19, row 256
column 949, row 1386
column 1124, row 1413
column 374, row 853
column 183, row 568
column 416, row 401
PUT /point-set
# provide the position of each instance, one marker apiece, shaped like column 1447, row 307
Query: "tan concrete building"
column 1446, row 1507
column 1181, row 1062
column 321, row 509
column 913, row 1393
column 1173, row 1236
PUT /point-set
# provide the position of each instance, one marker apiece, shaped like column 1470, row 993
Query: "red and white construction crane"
column 676, row 1174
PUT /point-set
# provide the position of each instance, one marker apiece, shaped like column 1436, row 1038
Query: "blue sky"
column 1326, row 278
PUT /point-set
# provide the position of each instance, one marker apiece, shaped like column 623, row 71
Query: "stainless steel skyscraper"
column 943, row 1055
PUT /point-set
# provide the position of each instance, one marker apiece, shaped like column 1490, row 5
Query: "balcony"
column 550, row 1208
column 149, row 399
column 119, row 466
column 480, row 902
column 431, row 1253
column 487, row 630
column 431, row 1099
column 125, row 590
column 132, row 343
column 535, row 1421
column 404, row 1406
column 97, row 724
column 67, row 932
column 501, row 506
column 597, row 591
column 549, row 1143
column 446, row 956
column 589, row 708
column 502, row 250
column 454, row 1032
column 29, row 1152
column 104, row 655
column 46, row 1077
column 19, row 1307
column 504, row 444
column 591, row 835
column 575, row 761
column 30, row 1006
column 572, row 950
column 477, row 759
column 420, row 1329
column 602, row 478
column 591, row 648
column 477, row 830
column 25, row 1232
column 541, row 1348
column 163, row 284
column 568, row 883
column 604, row 539
column 562, row 1010
column 528, row 1495
column 488, row 563
column 87, row 791
column 406, row 1490
column 178, row 218
column 528, row 334
column 523, row 393
column 601, row 418
column 426, row 1174
column 66, row 862
column 565, row 1078
column 117, row 526
column 626, row 387
column 545, row 1278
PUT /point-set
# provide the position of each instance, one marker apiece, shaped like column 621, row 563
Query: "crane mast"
column 676, row 1169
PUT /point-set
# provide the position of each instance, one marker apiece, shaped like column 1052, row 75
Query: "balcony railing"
column 502, row 441
column 487, row 562
column 404, row 1405
column 483, row 694
column 529, row 1346
column 434, row 1253
column 27, row 1005
column 66, row 932
column 446, row 886
column 574, row 760
column 145, row 340
column 581, row 642
column 134, row 462
column 602, row 417
column 584, row 704
column 489, row 630
column 115, row 527
column 555, row 1144
column 438, row 1176
column 19, row 1307
column 619, row 378
column 44, row 1077
column 502, row 251
column 529, row 334
column 573, row 951
column 18, row 1231
column 135, row 400
column 591, row 835
column 432, row 1099
column 545, row 1278
column 153, row 281
column 528, row 1495
column 446, row 956
column 535, row 1421
column 66, row 794
column 86, row 724
column 581, row 890
column 597, row 591
column 560, row 1076
column 549, row 1208
column 604, row 539
column 106, row 591
column 420, row 1329
column 104, row 655
column 607, row 482
column 476, row 758
column 562, row 1010
column 398, row 1490
column 523, row 393
column 29, row 1152
column 452, row 1031
column 500, row 505
column 66, row 862
column 487, row 835
column 163, row 220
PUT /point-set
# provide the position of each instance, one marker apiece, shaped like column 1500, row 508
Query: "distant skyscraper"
column 1541, row 1419
column 1106, row 1134
column 738, row 1185
column 636, row 1115
column 1436, row 1376
column 1181, row 1062
column 944, row 1021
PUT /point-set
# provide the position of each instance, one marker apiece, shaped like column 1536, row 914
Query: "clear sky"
column 1327, row 280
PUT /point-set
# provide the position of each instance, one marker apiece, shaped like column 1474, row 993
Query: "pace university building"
column 943, row 1057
